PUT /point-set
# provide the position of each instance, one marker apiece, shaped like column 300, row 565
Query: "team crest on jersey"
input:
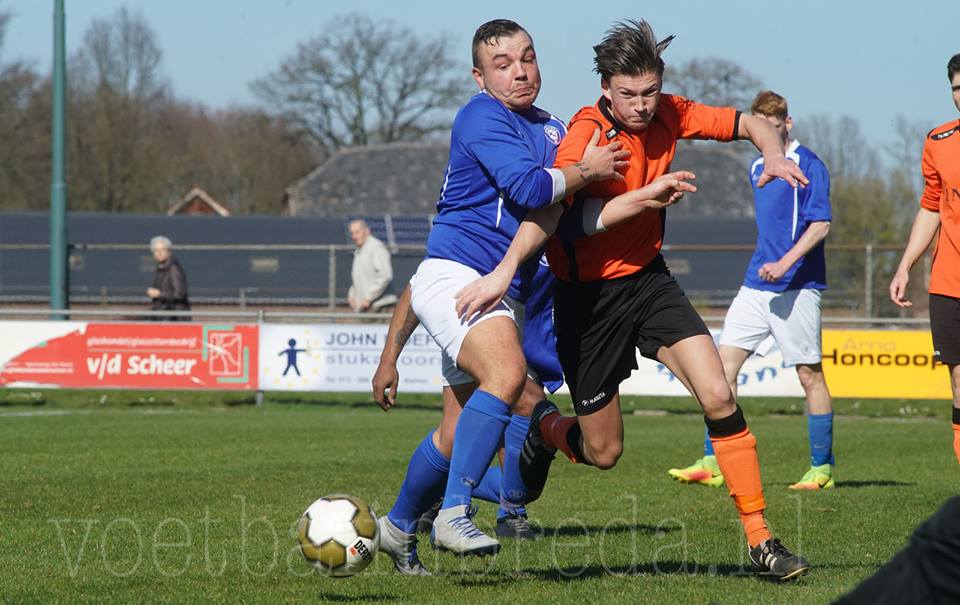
column 942, row 135
column 552, row 133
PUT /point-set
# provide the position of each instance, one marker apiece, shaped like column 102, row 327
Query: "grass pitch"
column 113, row 497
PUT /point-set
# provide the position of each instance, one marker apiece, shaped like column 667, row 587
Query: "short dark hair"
column 953, row 66
column 491, row 32
column 629, row 48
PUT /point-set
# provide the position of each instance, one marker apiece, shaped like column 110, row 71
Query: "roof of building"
column 405, row 178
column 198, row 195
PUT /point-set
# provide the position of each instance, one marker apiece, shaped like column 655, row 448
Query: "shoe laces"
column 464, row 523
column 520, row 523
column 775, row 547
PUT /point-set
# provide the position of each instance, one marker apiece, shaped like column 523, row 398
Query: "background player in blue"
column 502, row 148
column 426, row 476
column 781, row 296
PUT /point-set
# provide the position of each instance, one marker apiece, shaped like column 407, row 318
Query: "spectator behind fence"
column 372, row 272
column 169, row 289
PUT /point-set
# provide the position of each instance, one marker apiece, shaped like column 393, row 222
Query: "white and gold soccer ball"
column 339, row 535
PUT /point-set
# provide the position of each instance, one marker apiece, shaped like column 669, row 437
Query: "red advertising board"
column 128, row 355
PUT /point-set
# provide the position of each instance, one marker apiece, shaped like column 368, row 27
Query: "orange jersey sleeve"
column 698, row 121
column 933, row 185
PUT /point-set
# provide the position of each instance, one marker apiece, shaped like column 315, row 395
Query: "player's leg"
column 819, row 428
column 687, row 349
column 486, row 347
column 794, row 317
column 491, row 353
column 945, row 330
column 744, row 328
column 596, row 344
column 955, row 389
column 705, row 470
column 696, row 358
column 512, row 519
column 422, row 486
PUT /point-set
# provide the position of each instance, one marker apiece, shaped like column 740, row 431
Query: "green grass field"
column 179, row 497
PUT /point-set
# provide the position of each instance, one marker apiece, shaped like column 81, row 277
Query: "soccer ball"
column 339, row 535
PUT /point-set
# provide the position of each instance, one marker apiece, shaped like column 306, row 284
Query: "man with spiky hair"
column 615, row 294
column 940, row 210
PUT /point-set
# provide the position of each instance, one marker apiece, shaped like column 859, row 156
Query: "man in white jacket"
column 372, row 272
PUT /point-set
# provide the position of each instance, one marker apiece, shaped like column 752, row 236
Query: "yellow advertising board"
column 887, row 364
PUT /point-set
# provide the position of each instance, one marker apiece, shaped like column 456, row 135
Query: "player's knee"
column 717, row 399
column 809, row 376
column 444, row 440
column 606, row 455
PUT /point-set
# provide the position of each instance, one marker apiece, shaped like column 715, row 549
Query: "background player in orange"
column 940, row 209
column 615, row 293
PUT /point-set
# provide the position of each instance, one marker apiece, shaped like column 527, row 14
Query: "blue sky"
column 831, row 57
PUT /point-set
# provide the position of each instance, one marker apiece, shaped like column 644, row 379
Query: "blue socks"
column 422, row 486
column 481, row 425
column 820, row 431
column 707, row 444
column 489, row 487
column 513, row 492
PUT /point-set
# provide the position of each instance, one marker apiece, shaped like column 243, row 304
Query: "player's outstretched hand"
column 782, row 168
column 602, row 163
column 771, row 272
column 483, row 294
column 668, row 189
column 385, row 381
column 898, row 289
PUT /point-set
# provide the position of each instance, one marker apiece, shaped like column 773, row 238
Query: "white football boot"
column 454, row 531
column 401, row 547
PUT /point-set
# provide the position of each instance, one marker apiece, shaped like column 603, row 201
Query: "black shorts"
column 945, row 328
column 600, row 323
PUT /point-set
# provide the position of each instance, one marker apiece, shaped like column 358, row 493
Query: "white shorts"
column 432, row 291
column 791, row 317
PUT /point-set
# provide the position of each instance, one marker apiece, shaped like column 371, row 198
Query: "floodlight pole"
column 59, row 298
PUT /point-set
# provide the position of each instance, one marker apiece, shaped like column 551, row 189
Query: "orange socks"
column 956, row 432
column 736, row 450
column 563, row 433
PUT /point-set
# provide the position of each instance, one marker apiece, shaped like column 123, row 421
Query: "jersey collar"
column 615, row 127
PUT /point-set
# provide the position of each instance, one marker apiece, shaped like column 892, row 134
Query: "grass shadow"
column 365, row 598
column 875, row 483
column 566, row 531
column 657, row 568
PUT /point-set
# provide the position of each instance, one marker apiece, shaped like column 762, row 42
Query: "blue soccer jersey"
column 539, row 338
column 499, row 168
column 783, row 214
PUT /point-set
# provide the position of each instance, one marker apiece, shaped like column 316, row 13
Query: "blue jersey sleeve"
column 815, row 197
column 495, row 143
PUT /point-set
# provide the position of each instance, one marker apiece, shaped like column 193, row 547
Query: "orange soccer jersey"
column 941, row 193
column 628, row 247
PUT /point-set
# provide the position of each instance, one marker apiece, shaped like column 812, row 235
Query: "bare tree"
column 840, row 143
column 120, row 55
column 713, row 81
column 365, row 81
column 24, row 153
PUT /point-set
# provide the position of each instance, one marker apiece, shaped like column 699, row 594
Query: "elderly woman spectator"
column 169, row 289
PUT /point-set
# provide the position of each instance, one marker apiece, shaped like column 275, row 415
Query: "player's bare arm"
column 386, row 378
column 663, row 192
column 815, row 233
column 486, row 292
column 925, row 227
column 765, row 138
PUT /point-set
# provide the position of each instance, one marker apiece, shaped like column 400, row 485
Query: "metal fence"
column 318, row 276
